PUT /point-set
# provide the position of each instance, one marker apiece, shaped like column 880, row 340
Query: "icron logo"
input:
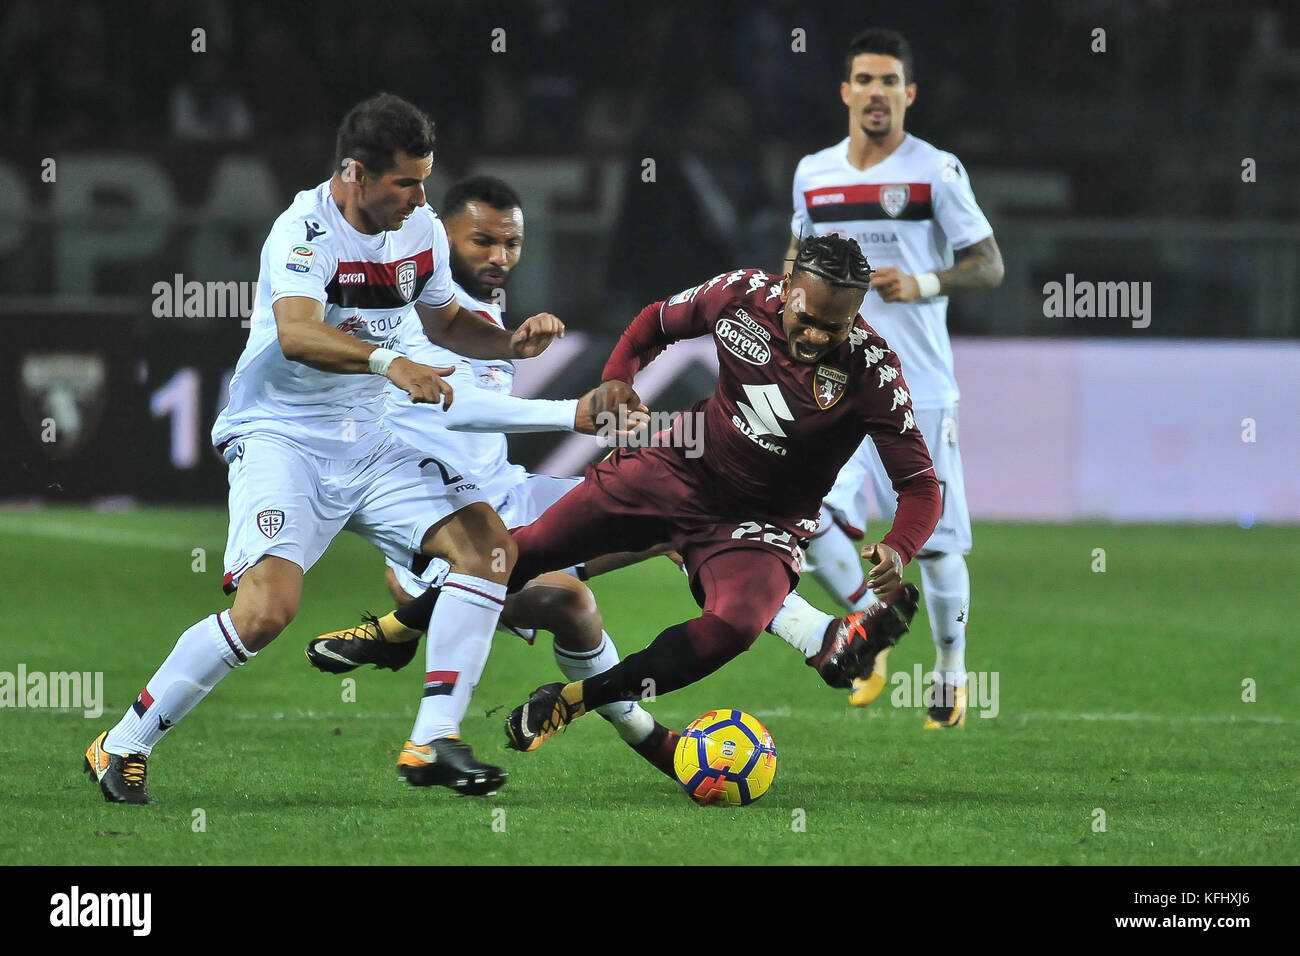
column 75, row 908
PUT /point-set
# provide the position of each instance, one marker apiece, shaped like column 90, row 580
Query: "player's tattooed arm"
column 978, row 266
column 304, row 337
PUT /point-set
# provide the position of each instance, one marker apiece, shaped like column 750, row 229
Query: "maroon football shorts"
column 636, row 499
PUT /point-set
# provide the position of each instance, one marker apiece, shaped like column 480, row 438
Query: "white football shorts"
column 847, row 500
column 522, row 504
column 289, row 503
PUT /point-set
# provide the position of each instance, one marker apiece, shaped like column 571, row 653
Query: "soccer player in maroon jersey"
column 802, row 380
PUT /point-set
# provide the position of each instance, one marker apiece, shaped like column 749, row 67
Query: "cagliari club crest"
column 893, row 199
column 270, row 521
column 406, row 279
column 828, row 386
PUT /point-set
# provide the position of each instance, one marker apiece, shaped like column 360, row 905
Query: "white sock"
column 837, row 566
column 946, row 583
column 460, row 636
column 632, row 721
column 800, row 624
column 204, row 654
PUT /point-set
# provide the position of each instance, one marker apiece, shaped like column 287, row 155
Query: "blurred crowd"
column 594, row 75
column 1142, row 108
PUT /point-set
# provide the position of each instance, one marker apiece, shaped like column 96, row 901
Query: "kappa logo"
column 893, row 199
column 828, row 386
column 270, row 521
column 406, row 279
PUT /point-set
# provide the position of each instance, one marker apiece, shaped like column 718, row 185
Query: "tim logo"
column 728, row 748
column 270, row 521
column 406, row 280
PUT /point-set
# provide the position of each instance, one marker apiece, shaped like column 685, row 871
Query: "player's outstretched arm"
column 304, row 337
column 462, row 331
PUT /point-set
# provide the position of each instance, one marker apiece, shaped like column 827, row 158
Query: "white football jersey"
column 367, row 284
column 909, row 211
column 476, row 456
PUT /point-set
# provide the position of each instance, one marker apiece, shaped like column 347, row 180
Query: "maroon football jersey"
column 776, row 432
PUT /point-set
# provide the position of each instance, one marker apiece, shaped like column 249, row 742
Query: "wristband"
column 380, row 359
column 928, row 283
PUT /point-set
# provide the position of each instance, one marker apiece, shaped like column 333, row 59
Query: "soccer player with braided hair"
column 802, row 381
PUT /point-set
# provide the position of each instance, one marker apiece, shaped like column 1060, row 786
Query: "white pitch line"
column 876, row 713
column 1161, row 718
column 126, row 537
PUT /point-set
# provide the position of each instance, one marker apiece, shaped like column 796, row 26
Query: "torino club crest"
column 893, row 199
column 828, row 386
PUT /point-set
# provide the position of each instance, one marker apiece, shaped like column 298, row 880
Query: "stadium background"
column 1123, row 165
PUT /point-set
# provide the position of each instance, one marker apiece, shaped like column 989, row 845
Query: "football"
column 726, row 757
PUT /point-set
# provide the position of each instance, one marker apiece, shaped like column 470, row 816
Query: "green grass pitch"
column 1118, row 691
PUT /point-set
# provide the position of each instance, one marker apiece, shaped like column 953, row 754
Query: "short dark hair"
column 885, row 42
column 496, row 193
column 835, row 260
column 377, row 129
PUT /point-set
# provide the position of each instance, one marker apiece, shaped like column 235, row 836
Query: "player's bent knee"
column 562, row 605
column 261, row 623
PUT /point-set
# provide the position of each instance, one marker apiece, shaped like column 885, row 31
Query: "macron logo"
column 765, row 410
column 825, row 199
column 102, row 909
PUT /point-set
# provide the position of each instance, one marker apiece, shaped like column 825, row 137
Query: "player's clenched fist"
column 533, row 337
column 886, row 575
column 597, row 416
column 424, row 383
column 895, row 286
column 613, row 395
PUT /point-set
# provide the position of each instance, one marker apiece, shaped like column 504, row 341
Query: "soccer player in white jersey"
column 309, row 457
column 911, row 209
column 485, row 227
